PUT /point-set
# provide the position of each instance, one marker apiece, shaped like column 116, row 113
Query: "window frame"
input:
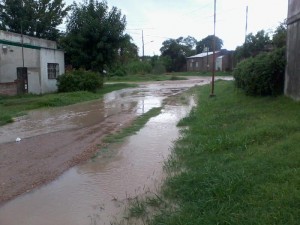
column 52, row 70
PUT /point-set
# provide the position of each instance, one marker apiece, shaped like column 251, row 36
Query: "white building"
column 28, row 64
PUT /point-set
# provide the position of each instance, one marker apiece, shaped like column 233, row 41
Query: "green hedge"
column 263, row 74
column 79, row 80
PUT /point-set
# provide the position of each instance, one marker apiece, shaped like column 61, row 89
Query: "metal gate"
column 22, row 80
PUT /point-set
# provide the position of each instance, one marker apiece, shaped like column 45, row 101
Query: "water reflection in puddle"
column 96, row 190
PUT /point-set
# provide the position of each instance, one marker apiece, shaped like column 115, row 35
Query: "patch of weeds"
column 137, row 208
column 137, row 124
column 177, row 78
column 154, row 201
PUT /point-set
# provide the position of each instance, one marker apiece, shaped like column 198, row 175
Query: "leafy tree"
column 175, row 52
column 128, row 50
column 280, row 34
column 208, row 42
column 94, row 35
column 254, row 45
column 38, row 18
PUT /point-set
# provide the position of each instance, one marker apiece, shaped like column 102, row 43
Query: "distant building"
column 204, row 61
column 292, row 75
column 28, row 64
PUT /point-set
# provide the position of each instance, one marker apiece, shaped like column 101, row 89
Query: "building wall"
column 50, row 56
column 11, row 58
column 292, row 76
column 200, row 64
column 27, row 40
column 37, row 54
column 8, row 88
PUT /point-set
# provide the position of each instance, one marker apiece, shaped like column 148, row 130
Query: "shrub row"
column 79, row 80
column 262, row 75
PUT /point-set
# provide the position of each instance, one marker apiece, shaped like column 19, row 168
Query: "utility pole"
column 22, row 44
column 212, row 94
column 246, row 28
column 143, row 45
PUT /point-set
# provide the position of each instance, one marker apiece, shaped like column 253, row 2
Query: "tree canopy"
column 95, row 35
column 253, row 45
column 280, row 35
column 175, row 52
column 208, row 42
column 38, row 18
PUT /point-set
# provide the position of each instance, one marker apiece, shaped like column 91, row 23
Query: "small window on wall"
column 197, row 64
column 53, row 70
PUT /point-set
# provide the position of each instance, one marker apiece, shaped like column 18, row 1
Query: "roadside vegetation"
column 237, row 163
column 261, row 67
column 137, row 124
column 144, row 77
column 11, row 107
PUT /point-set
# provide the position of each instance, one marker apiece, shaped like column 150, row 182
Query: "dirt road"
column 53, row 140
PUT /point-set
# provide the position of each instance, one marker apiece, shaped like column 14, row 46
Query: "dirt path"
column 54, row 140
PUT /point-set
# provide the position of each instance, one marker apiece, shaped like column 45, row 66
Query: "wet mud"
column 94, row 192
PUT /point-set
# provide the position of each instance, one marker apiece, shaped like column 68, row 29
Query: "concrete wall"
column 11, row 58
column 27, row 40
column 50, row 56
column 37, row 54
column 292, row 76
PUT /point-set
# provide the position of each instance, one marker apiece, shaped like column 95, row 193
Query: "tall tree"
column 175, row 51
column 253, row 45
column 208, row 42
column 128, row 50
column 39, row 18
column 280, row 35
column 95, row 35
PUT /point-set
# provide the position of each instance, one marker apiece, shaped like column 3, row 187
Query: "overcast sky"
column 164, row 19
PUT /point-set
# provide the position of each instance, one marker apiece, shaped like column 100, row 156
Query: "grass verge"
column 18, row 105
column 145, row 77
column 137, row 124
column 238, row 163
column 201, row 74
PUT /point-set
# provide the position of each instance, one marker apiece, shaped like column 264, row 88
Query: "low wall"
column 8, row 88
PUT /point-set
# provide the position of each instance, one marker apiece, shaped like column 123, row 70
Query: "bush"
column 79, row 80
column 138, row 67
column 118, row 71
column 263, row 74
column 158, row 68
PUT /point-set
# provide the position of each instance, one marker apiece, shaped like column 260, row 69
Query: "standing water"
column 96, row 191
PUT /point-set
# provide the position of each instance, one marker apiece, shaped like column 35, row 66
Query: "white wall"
column 37, row 54
column 11, row 58
column 14, row 37
column 50, row 56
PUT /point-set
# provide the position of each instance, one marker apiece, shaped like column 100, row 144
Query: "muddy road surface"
column 54, row 140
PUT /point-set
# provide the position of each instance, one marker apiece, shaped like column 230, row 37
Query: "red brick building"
column 204, row 61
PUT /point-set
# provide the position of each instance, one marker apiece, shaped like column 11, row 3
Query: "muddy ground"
column 46, row 153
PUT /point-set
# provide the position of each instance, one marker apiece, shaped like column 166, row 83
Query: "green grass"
column 238, row 163
column 145, row 77
column 137, row 124
column 217, row 73
column 11, row 107
column 163, row 77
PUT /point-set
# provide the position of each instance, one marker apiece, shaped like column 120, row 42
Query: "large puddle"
column 96, row 192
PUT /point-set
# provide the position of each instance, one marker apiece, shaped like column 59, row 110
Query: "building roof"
column 16, row 39
column 201, row 55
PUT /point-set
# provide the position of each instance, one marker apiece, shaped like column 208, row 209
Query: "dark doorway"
column 22, row 80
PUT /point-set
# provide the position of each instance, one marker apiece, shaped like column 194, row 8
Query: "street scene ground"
column 53, row 140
